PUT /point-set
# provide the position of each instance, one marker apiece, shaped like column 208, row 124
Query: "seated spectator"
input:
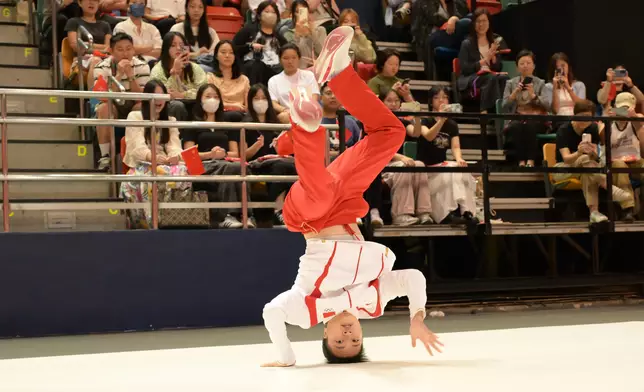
column 147, row 40
column 232, row 84
column 65, row 10
column 260, row 148
column 330, row 107
column 180, row 76
column 165, row 13
column 438, row 23
column 258, row 44
column 453, row 195
column 521, row 142
column 388, row 65
column 215, row 146
column 573, row 150
column 564, row 91
column 100, row 31
column 133, row 74
column 283, row 8
column 307, row 38
column 617, row 84
column 362, row 47
column 139, row 155
column 324, row 13
column 524, row 88
column 626, row 140
column 201, row 37
column 107, row 10
column 481, row 62
column 410, row 194
column 280, row 84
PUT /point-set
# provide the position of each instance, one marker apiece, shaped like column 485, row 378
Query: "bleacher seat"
column 550, row 159
column 225, row 20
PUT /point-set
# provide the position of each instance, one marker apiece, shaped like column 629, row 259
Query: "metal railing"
column 244, row 178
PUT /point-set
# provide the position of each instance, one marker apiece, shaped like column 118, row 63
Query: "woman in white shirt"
column 138, row 155
column 564, row 91
column 201, row 37
column 292, row 76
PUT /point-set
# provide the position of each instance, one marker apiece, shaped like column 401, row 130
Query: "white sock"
column 105, row 149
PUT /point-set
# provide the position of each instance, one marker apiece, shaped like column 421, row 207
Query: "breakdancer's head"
column 342, row 341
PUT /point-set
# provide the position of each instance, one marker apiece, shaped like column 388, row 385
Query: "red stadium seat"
column 367, row 71
column 225, row 20
column 126, row 168
column 494, row 6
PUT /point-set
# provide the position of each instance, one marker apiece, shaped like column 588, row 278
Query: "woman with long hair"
column 481, row 63
column 258, row 44
column 138, row 155
column 233, row 85
column 261, row 153
column 303, row 34
column 564, row 90
column 215, row 148
column 201, row 37
column 180, row 76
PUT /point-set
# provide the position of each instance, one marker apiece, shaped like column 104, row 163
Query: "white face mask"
column 260, row 106
column 210, row 105
column 269, row 18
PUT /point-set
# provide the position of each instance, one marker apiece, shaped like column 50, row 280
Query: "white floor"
column 604, row 357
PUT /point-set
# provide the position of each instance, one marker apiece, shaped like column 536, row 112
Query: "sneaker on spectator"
column 230, row 222
column 278, row 218
column 597, row 217
column 405, row 220
column 104, row 163
column 251, row 223
column 334, row 57
column 425, row 219
column 376, row 220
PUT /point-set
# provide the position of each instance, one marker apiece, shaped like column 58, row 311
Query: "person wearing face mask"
column 215, row 148
column 139, row 155
column 146, row 37
column 617, row 81
column 263, row 158
column 258, row 44
column 232, row 84
column 363, row 48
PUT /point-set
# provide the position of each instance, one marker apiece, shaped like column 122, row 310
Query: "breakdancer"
column 341, row 277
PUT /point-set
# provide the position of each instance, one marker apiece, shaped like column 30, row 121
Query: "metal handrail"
column 84, row 94
column 128, row 178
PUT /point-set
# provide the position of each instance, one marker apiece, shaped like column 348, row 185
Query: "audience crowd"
column 160, row 46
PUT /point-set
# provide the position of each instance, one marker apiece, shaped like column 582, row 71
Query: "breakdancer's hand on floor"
column 276, row 364
column 419, row 331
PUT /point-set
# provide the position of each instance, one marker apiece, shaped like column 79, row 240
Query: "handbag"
column 184, row 217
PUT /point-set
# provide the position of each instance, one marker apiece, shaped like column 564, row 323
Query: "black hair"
column 150, row 88
column 526, row 53
column 324, row 87
column 118, row 37
column 271, row 115
column 262, row 6
column 289, row 46
column 236, row 68
column 197, row 110
column 383, row 94
column 303, row 3
column 477, row 14
column 203, row 37
column 584, row 106
column 384, row 56
column 166, row 60
column 553, row 66
column 433, row 92
column 333, row 359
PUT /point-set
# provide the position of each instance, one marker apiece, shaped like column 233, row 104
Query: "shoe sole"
column 334, row 41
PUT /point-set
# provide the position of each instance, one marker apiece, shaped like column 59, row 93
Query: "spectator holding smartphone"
column 524, row 88
column 617, row 81
column 564, row 91
column 308, row 38
column 361, row 45
column 388, row 65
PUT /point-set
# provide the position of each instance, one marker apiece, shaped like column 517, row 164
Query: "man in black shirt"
column 577, row 147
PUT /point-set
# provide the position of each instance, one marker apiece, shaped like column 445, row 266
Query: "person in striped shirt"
column 132, row 73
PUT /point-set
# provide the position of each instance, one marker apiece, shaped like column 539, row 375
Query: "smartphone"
column 498, row 40
column 303, row 14
column 586, row 138
column 406, row 81
column 621, row 112
column 410, row 107
column 185, row 49
column 527, row 80
column 621, row 73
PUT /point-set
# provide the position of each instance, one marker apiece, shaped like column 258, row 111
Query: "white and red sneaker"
column 305, row 111
column 334, row 57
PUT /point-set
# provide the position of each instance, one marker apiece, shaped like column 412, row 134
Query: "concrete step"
column 401, row 47
column 50, row 190
column 412, row 66
column 50, row 132
column 16, row 33
column 8, row 13
column 19, row 54
column 25, row 77
column 50, row 155
column 426, row 85
column 21, row 104
column 61, row 221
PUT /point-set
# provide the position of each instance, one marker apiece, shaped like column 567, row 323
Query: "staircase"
column 37, row 149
